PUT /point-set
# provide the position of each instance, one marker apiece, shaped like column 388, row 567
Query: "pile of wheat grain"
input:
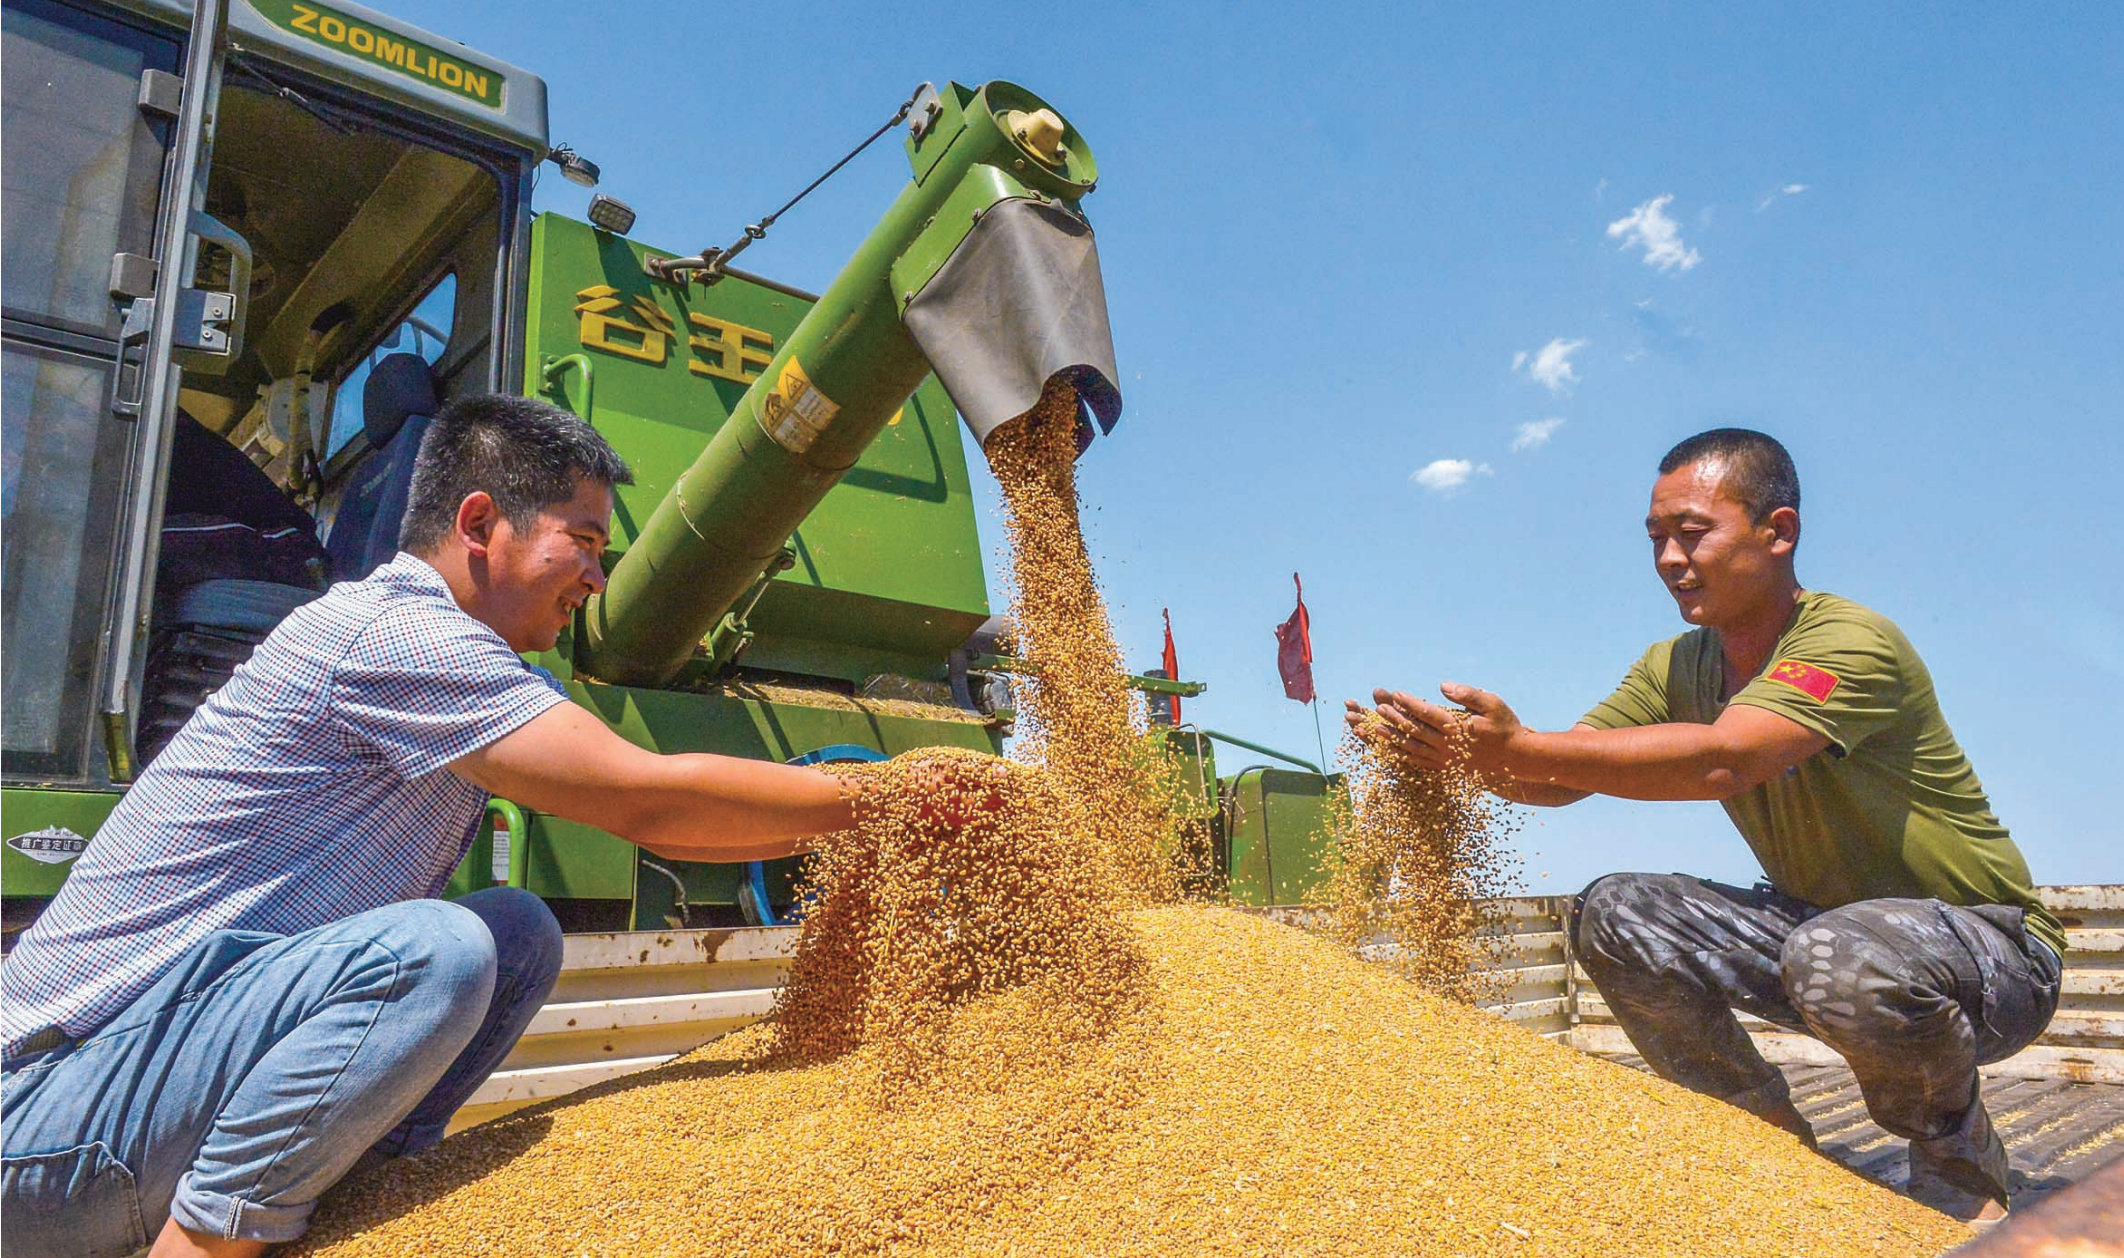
column 977, row 1052
column 1270, row 1095
column 961, row 879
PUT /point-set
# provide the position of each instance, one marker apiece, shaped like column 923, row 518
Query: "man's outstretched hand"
column 961, row 794
column 1431, row 736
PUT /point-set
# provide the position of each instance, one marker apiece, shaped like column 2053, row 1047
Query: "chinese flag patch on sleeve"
column 1816, row 683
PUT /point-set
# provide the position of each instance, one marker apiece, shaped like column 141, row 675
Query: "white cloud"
column 1649, row 226
column 1600, row 190
column 1535, row 433
column 1443, row 476
column 1551, row 364
column 1789, row 190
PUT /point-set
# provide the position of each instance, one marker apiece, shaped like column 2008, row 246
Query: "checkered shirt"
column 311, row 787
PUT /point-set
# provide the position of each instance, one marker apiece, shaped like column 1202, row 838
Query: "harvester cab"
column 249, row 249
column 253, row 247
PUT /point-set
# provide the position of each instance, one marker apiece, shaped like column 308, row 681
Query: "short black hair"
column 525, row 454
column 1758, row 472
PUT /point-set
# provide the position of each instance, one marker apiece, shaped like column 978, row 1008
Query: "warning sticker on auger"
column 795, row 413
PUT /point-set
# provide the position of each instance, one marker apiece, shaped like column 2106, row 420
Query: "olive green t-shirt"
column 1890, row 808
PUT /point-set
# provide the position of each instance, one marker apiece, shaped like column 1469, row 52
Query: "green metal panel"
column 733, row 725
column 711, row 886
column 569, row 860
column 889, row 574
column 1275, row 835
column 1194, row 775
column 46, row 822
column 476, row 870
column 1190, row 766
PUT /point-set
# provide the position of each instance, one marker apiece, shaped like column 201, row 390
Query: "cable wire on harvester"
column 708, row 265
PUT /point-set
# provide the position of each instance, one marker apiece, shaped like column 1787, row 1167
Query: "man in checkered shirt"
column 247, row 984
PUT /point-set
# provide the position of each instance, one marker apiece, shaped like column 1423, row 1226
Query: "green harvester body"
column 796, row 570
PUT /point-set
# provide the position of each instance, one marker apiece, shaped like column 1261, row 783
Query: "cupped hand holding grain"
column 1478, row 733
column 1416, row 861
column 1372, row 727
column 961, row 792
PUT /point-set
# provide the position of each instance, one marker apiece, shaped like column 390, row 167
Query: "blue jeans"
column 261, row 1068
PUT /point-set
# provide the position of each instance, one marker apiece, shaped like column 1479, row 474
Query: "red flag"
column 1294, row 650
column 1816, row 683
column 1171, row 662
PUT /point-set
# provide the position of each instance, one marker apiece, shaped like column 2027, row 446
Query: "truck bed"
column 2057, row 1131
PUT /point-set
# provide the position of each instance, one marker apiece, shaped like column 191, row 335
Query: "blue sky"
column 1890, row 236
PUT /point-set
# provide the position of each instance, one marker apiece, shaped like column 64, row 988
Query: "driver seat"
column 396, row 405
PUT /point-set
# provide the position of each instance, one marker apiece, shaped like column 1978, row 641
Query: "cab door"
column 105, row 147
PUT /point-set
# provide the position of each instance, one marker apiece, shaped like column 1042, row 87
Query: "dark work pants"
column 1915, row 994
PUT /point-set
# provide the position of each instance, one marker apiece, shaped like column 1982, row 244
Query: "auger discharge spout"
column 984, row 271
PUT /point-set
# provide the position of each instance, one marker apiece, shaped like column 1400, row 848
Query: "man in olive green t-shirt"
column 1899, row 923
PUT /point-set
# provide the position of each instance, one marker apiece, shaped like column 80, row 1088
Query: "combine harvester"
column 252, row 248
column 343, row 243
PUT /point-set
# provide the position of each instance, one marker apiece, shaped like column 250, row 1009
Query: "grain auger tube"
column 983, row 271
